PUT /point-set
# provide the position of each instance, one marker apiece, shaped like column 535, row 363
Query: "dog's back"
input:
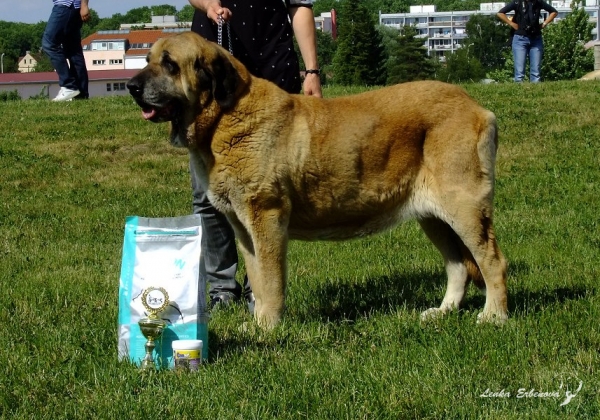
column 382, row 155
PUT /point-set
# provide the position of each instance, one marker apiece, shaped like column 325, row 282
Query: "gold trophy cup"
column 155, row 300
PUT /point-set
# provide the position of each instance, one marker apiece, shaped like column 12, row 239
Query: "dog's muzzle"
column 150, row 111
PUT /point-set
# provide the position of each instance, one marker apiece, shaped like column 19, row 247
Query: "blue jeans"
column 219, row 252
column 523, row 46
column 62, row 42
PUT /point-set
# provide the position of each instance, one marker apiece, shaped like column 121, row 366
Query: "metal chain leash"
column 220, row 33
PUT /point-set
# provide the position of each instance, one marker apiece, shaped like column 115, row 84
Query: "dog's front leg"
column 264, row 248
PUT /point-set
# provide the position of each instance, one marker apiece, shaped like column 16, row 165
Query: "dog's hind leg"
column 264, row 249
column 462, row 192
column 470, row 217
column 479, row 237
column 448, row 243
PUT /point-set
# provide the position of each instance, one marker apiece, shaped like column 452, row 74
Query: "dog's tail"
column 487, row 148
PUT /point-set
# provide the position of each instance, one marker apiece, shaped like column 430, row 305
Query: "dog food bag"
column 162, row 253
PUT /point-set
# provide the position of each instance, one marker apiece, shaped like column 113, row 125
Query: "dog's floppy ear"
column 225, row 81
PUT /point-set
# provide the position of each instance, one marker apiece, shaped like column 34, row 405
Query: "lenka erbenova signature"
column 532, row 393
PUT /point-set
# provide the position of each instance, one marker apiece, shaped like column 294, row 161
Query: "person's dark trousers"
column 62, row 42
column 219, row 250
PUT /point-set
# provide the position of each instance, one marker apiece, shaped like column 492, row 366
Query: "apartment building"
column 444, row 32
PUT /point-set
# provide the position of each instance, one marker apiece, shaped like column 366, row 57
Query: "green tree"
column 565, row 56
column 461, row 67
column 452, row 5
column 163, row 10
column 506, row 72
column 408, row 59
column 16, row 39
column 185, row 14
column 137, row 15
column 488, row 38
column 359, row 58
column 43, row 64
column 321, row 6
column 111, row 23
column 144, row 14
column 391, row 6
column 387, row 6
column 326, row 47
column 9, row 64
column 90, row 26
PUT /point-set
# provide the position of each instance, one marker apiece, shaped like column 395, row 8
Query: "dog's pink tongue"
column 147, row 114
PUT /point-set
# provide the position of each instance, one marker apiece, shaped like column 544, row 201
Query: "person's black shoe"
column 222, row 299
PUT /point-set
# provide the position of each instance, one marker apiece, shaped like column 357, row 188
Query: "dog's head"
column 186, row 75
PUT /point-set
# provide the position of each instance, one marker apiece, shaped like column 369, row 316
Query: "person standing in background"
column 261, row 38
column 527, row 35
column 62, row 43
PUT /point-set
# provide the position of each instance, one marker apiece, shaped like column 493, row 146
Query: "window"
column 116, row 87
column 116, row 46
column 115, row 61
column 108, row 46
column 99, row 46
column 99, row 62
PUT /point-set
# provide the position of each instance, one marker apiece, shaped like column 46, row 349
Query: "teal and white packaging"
column 162, row 252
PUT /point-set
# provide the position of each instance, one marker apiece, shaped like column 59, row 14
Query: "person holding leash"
column 527, row 34
column 259, row 34
column 62, row 42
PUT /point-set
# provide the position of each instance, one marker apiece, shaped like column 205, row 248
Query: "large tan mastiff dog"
column 283, row 166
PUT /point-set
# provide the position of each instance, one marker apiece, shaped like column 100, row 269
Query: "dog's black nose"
column 135, row 86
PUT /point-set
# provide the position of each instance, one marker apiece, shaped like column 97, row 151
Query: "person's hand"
column 514, row 25
column 84, row 12
column 214, row 10
column 312, row 85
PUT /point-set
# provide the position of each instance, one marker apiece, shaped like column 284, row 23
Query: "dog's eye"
column 170, row 65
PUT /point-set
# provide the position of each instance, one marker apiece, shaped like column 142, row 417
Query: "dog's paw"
column 432, row 314
column 492, row 318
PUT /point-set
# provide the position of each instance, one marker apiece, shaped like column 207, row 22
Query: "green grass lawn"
column 351, row 344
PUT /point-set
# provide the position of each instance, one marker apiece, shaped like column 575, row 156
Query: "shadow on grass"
column 524, row 300
column 349, row 304
column 343, row 301
column 339, row 301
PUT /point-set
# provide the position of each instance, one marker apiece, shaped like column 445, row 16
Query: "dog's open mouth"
column 158, row 113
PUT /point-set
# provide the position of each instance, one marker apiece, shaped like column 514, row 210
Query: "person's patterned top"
column 262, row 38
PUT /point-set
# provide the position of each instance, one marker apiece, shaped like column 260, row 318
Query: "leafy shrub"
column 6, row 96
